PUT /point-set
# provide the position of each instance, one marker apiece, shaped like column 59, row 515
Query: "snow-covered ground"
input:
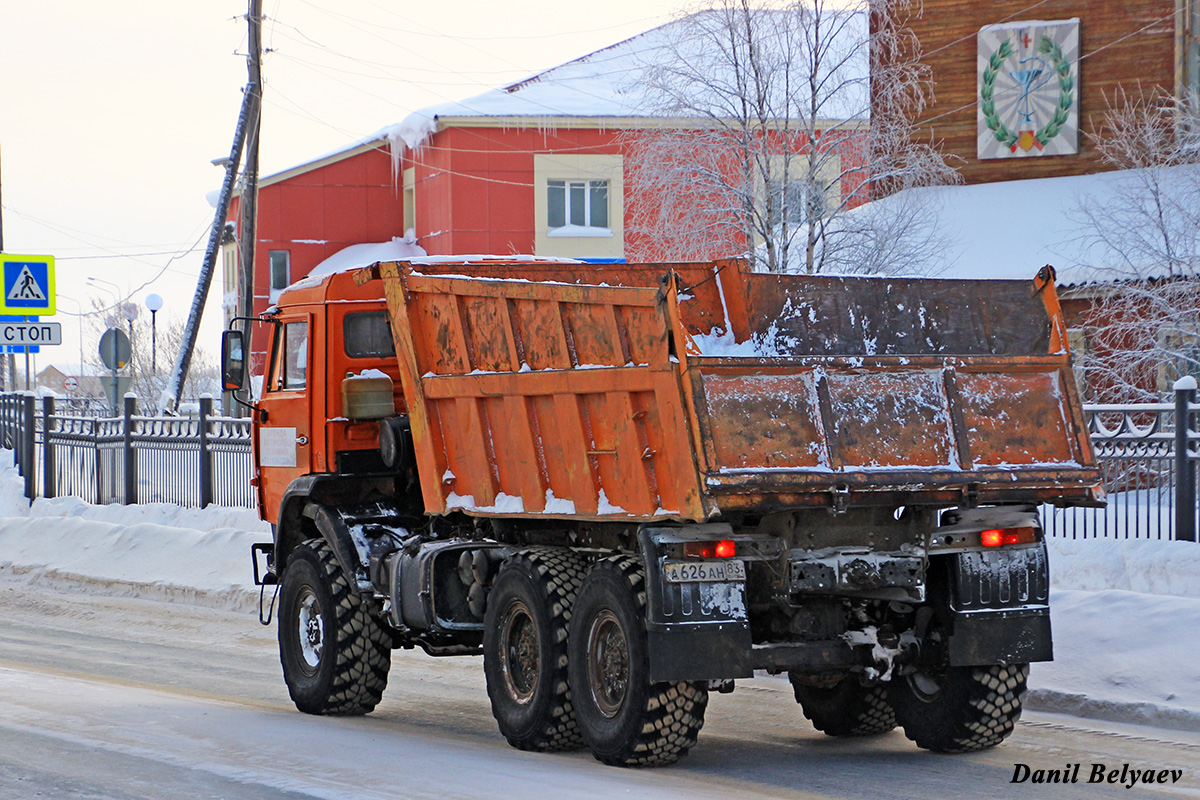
column 1126, row 613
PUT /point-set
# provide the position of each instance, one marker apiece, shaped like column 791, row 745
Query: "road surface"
column 110, row 698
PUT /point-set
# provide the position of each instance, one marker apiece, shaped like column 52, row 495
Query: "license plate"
column 704, row 571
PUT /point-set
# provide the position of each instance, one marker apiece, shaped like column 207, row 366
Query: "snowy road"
column 119, row 698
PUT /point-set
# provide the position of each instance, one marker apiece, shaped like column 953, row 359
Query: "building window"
column 410, row 201
column 796, row 202
column 579, row 205
column 281, row 271
column 577, row 208
column 1179, row 351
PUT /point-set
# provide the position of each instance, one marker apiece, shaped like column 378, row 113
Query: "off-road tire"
column 846, row 709
column 626, row 720
column 973, row 708
column 530, row 606
column 346, row 672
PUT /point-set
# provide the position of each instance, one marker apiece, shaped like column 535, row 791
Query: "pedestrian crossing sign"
column 28, row 286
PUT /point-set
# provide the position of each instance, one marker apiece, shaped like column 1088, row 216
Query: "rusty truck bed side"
column 696, row 388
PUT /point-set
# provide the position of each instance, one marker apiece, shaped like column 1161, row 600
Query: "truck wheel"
column 335, row 654
column 626, row 720
column 960, row 709
column 846, row 709
column 525, row 648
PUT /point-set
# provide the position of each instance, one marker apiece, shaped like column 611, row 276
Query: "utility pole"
column 248, row 205
column 247, row 126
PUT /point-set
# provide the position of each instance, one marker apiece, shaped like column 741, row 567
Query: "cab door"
column 284, row 443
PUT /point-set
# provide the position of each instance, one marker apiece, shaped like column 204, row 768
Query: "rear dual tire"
column 625, row 719
column 960, row 709
column 846, row 709
column 525, row 649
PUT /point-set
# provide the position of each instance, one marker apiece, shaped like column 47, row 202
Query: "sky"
column 111, row 114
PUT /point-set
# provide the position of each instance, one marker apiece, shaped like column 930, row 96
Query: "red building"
column 537, row 167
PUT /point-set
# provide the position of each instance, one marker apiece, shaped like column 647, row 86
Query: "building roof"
column 611, row 85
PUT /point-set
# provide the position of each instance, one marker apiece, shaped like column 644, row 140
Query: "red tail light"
column 725, row 548
column 998, row 537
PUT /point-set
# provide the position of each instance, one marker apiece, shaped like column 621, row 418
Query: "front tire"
column 525, row 649
column 960, row 709
column 626, row 720
column 335, row 654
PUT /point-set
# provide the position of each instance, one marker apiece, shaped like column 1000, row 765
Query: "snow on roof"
column 1010, row 229
column 76, row 370
column 361, row 255
column 611, row 82
column 357, row 256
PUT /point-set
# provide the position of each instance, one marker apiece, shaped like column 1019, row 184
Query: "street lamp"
column 154, row 303
column 110, row 319
column 116, row 290
column 130, row 312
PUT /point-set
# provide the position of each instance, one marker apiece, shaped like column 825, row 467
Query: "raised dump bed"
column 659, row 392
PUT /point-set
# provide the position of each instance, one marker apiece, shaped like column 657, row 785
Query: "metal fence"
column 189, row 461
column 1148, row 460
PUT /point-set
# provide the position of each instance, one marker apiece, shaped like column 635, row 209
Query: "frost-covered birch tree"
column 1142, row 249
column 777, row 124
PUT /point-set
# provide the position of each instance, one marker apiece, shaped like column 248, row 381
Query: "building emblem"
column 1028, row 89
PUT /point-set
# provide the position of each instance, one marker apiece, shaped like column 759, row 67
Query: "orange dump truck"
column 630, row 485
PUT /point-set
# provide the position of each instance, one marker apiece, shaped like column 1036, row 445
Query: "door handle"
column 301, row 440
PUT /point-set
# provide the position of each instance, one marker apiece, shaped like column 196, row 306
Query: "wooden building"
column 1139, row 46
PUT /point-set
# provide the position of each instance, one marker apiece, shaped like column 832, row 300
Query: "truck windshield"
column 368, row 335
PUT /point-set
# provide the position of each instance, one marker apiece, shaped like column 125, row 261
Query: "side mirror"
column 233, row 361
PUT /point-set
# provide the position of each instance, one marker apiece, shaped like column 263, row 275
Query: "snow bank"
column 1046, row 212
column 1118, row 608
column 1122, row 656
column 1146, row 566
column 154, row 550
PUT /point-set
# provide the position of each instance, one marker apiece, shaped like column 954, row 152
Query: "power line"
column 433, row 33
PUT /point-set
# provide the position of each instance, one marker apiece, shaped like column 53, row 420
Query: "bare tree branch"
column 797, row 116
column 1143, row 240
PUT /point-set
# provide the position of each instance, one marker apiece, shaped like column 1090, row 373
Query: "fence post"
column 1185, row 466
column 131, row 477
column 49, row 469
column 207, row 477
column 206, row 459
column 96, row 429
column 29, row 447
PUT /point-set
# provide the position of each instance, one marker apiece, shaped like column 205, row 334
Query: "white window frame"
column 589, row 226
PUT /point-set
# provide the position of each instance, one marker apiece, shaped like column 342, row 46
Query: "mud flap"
column 695, row 631
column 999, row 606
